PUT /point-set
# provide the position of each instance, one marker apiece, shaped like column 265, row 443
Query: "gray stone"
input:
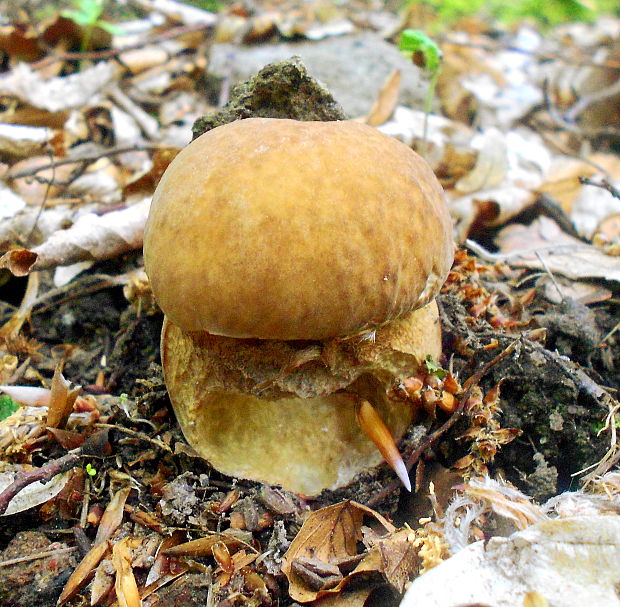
column 353, row 68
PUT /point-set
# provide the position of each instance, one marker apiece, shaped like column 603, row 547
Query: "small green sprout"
column 424, row 52
column 434, row 368
column 90, row 470
column 87, row 14
column 7, row 406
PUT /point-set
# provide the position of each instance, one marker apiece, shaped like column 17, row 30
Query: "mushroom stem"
column 372, row 425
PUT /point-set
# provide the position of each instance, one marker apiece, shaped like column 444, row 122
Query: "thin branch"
column 605, row 185
column 86, row 158
column 45, row 473
column 36, row 556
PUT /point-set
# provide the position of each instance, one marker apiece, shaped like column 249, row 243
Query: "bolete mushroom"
column 296, row 264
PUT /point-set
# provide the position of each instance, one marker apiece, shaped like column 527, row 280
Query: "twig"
column 550, row 274
column 430, row 440
column 604, row 184
column 139, row 435
column 45, row 473
column 48, row 187
column 86, row 158
column 37, row 555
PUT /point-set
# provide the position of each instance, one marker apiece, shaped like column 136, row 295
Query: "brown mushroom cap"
column 279, row 229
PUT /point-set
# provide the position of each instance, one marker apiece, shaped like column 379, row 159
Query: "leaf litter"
column 524, row 140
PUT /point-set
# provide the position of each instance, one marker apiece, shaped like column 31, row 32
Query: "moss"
column 279, row 90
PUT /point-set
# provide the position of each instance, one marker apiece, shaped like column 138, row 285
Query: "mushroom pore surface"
column 280, row 229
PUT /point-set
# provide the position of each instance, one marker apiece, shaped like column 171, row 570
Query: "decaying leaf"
column 386, row 102
column 91, row 237
column 113, row 515
column 204, row 546
column 328, row 536
column 542, row 245
column 83, row 572
column 34, row 494
column 60, row 93
column 62, row 400
column 125, row 584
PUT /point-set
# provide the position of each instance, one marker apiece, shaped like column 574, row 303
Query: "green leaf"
column 434, row 368
column 416, row 41
column 7, row 406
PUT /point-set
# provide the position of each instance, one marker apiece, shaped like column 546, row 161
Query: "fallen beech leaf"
column 74, row 91
column 562, row 254
column 491, row 165
column 386, row 102
column 83, row 572
column 399, row 556
column 328, row 535
column 91, row 237
column 34, row 494
column 472, row 210
column 355, row 598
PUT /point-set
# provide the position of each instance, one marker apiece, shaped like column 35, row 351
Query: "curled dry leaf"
column 386, row 102
column 91, row 237
column 204, row 545
column 74, row 91
column 543, row 239
column 125, row 585
column 35, row 494
column 113, row 515
column 83, row 572
column 62, row 400
column 328, row 535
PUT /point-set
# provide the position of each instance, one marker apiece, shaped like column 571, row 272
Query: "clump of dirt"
column 37, row 581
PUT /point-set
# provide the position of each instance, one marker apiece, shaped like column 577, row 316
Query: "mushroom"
column 296, row 264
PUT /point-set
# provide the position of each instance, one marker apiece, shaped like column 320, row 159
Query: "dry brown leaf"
column 399, row 556
column 74, row 91
column 561, row 253
column 491, row 167
column 102, row 583
column 91, row 237
column 355, row 598
column 386, row 102
column 62, row 400
column 113, row 515
column 488, row 208
column 125, row 585
column 83, row 572
column 327, row 535
column 146, row 184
